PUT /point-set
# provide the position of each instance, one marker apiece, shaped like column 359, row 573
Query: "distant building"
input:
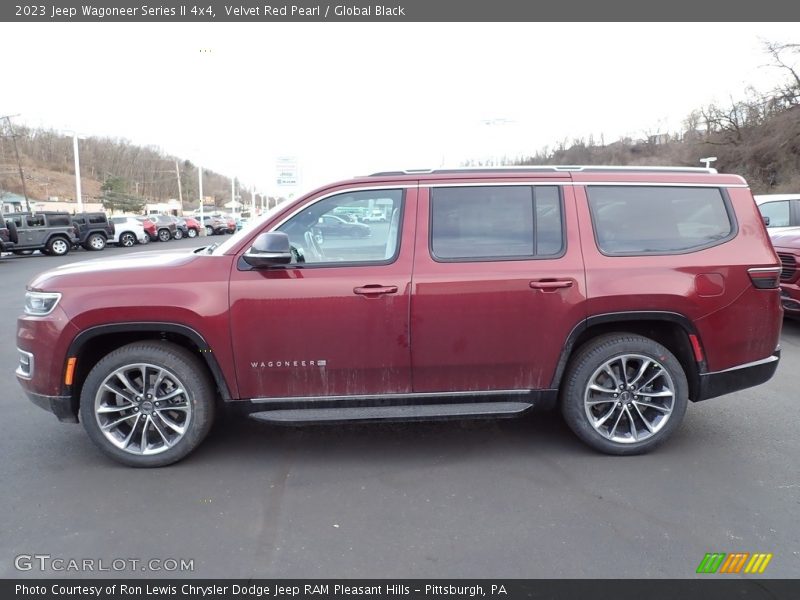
column 11, row 202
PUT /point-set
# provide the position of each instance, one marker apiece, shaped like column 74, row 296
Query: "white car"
column 128, row 231
column 782, row 211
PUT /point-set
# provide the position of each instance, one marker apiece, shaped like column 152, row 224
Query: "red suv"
column 617, row 294
column 787, row 244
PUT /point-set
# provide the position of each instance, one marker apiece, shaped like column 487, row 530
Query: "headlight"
column 39, row 304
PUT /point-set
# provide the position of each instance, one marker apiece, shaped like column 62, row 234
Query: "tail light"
column 765, row 278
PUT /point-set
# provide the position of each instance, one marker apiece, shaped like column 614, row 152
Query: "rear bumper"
column 737, row 378
column 60, row 406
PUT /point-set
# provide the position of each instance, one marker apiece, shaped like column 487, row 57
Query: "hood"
column 787, row 238
column 144, row 267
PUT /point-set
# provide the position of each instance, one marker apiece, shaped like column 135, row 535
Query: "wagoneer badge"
column 287, row 364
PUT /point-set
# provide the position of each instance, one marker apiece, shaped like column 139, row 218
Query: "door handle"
column 374, row 289
column 551, row 284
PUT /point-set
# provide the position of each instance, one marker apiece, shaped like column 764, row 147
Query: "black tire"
column 164, row 235
column 199, row 394
column 178, row 234
column 127, row 239
column 95, row 242
column 192, row 232
column 585, row 368
column 58, row 246
column 13, row 234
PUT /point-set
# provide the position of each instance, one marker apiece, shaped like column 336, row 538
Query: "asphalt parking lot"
column 496, row 499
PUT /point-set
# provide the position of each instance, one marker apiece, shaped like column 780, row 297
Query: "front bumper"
column 737, row 378
column 61, row 406
column 790, row 299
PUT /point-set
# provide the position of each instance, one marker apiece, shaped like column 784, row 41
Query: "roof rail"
column 548, row 169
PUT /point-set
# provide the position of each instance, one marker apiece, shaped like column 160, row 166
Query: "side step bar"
column 394, row 413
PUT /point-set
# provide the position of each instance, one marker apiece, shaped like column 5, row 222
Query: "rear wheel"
column 209, row 230
column 192, row 233
column 95, row 242
column 127, row 239
column 624, row 394
column 147, row 404
column 178, row 234
column 57, row 246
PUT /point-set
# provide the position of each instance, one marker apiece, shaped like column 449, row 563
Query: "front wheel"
column 164, row 235
column 209, row 230
column 178, row 234
column 192, row 233
column 624, row 394
column 127, row 239
column 147, row 404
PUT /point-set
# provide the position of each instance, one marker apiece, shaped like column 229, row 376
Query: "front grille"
column 788, row 266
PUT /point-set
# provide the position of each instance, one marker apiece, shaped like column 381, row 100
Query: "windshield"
column 220, row 249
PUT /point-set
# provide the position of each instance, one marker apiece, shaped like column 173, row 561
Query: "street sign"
column 286, row 171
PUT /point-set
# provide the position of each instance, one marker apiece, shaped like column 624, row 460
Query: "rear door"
column 498, row 284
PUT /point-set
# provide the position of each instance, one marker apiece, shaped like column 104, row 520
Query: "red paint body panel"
column 480, row 325
column 726, row 322
column 302, row 316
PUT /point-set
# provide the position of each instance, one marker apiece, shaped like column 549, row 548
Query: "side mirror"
column 268, row 250
column 766, row 220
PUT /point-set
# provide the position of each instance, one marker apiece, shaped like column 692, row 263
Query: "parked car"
column 50, row 232
column 374, row 216
column 230, row 223
column 215, row 225
column 617, row 294
column 8, row 236
column 129, row 231
column 189, row 226
column 787, row 245
column 165, row 228
column 94, row 229
column 780, row 211
column 332, row 226
column 149, row 227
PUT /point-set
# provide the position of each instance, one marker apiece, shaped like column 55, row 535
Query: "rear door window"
column 495, row 223
column 659, row 220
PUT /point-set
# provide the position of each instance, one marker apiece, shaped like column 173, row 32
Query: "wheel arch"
column 671, row 330
column 90, row 345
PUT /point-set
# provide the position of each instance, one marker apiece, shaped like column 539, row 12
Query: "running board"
column 422, row 412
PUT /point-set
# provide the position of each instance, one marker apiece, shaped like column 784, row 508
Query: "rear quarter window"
column 631, row 220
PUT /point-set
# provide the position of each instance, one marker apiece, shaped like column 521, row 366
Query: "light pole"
column 200, row 187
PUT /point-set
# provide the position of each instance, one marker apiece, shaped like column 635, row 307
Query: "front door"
column 335, row 321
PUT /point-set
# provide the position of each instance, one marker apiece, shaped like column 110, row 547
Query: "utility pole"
column 200, row 187
column 19, row 164
column 78, row 198
column 233, row 195
column 178, row 176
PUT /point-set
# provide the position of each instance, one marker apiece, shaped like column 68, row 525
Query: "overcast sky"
column 349, row 99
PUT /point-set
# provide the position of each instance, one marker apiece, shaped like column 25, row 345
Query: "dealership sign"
column 286, row 171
